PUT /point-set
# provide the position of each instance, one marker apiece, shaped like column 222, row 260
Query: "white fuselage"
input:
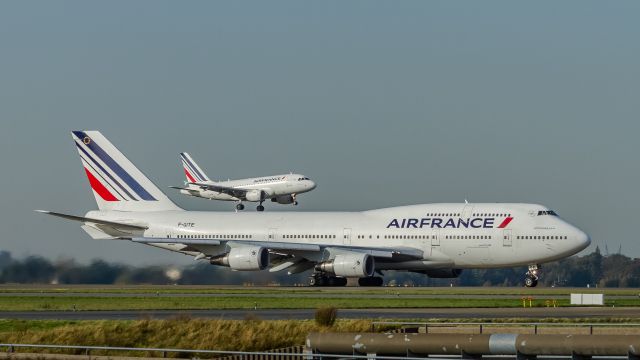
column 449, row 234
column 273, row 187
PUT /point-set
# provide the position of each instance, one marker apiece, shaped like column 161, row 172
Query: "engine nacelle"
column 255, row 195
column 284, row 199
column 349, row 265
column 442, row 273
column 244, row 258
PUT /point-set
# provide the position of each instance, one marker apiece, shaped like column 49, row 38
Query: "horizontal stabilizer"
column 113, row 224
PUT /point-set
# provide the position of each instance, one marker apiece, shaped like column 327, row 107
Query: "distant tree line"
column 589, row 270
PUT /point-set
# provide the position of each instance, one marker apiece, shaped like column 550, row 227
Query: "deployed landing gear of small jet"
column 322, row 279
column 240, row 206
column 370, row 281
column 532, row 276
column 293, row 197
column 260, row 207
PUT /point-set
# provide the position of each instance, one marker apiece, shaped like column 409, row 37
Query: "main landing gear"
column 531, row 277
column 293, row 197
column 370, row 281
column 322, row 279
column 240, row 207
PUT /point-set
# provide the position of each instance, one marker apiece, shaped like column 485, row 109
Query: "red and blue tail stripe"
column 115, row 176
column 89, row 160
column 191, row 170
column 97, row 186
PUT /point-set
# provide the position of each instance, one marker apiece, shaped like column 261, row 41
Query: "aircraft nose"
column 312, row 185
column 582, row 239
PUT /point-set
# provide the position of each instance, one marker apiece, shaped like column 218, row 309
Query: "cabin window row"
column 298, row 236
column 423, row 237
column 211, row 236
column 540, row 237
column 474, row 214
column 469, row 237
column 490, row 215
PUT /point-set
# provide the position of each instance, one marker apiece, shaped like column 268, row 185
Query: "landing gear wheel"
column 295, row 203
column 371, row 281
column 260, row 208
column 240, row 207
column 336, row 281
column 532, row 276
column 321, row 279
column 530, row 282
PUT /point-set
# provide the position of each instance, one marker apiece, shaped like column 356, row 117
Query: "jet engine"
column 244, row 258
column 441, row 273
column 349, row 265
column 255, row 195
column 284, row 199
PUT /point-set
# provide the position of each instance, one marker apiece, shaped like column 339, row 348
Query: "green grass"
column 182, row 332
column 188, row 289
column 48, row 303
column 32, row 325
column 187, row 333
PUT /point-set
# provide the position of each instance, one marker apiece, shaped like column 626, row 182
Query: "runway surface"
column 277, row 314
column 286, row 295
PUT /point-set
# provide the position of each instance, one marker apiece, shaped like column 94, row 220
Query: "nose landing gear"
column 531, row 277
column 239, row 206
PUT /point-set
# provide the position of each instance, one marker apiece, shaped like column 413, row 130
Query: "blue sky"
column 382, row 103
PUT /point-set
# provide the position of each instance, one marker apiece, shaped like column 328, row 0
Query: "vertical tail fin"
column 192, row 170
column 117, row 184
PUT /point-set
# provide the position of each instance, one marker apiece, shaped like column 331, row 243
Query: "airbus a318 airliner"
column 438, row 240
column 282, row 189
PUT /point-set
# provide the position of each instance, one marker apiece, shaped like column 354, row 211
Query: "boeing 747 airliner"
column 438, row 240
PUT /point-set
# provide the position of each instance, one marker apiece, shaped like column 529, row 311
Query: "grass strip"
column 51, row 303
column 307, row 290
column 182, row 332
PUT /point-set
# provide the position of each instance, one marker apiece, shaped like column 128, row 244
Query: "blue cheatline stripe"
column 195, row 168
column 192, row 170
column 113, row 165
column 103, row 179
column 105, row 171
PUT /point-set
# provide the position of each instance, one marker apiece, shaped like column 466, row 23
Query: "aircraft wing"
column 235, row 192
column 289, row 247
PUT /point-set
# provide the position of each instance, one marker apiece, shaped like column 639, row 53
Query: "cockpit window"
column 547, row 212
column 303, row 178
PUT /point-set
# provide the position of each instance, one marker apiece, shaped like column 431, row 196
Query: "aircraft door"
column 346, row 237
column 272, row 234
column 507, row 239
column 467, row 211
column 435, row 237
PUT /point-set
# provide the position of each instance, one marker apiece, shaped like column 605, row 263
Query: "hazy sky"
column 381, row 103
